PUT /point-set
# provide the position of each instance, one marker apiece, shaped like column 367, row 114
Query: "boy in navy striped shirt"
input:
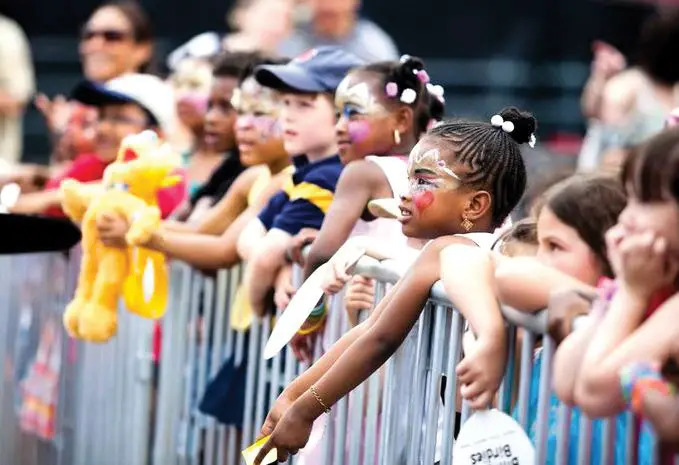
column 307, row 119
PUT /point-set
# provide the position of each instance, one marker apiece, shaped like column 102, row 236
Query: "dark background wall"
column 487, row 53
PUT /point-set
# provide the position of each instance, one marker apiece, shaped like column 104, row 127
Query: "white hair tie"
column 498, row 122
column 408, row 96
column 507, row 126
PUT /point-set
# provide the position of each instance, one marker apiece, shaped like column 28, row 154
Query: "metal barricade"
column 107, row 411
column 407, row 419
column 95, row 398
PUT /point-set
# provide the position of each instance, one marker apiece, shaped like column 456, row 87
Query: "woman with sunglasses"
column 116, row 40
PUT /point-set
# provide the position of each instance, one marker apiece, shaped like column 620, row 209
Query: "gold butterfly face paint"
column 192, row 76
column 257, row 107
column 427, row 171
column 191, row 82
column 251, row 98
column 356, row 98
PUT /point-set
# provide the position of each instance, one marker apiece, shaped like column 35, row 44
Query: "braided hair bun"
column 406, row 73
column 409, row 75
column 492, row 153
column 524, row 122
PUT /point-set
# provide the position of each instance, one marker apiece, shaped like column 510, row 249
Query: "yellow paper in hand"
column 250, row 454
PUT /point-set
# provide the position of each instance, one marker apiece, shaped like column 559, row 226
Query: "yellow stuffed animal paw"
column 97, row 323
column 72, row 317
column 144, row 224
column 71, row 199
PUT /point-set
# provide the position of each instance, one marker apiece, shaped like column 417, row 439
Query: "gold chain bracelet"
column 313, row 391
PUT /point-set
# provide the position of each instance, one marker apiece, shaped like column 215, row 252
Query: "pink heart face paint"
column 423, row 200
column 257, row 108
column 358, row 131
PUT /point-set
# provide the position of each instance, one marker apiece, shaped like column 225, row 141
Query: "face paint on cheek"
column 423, row 200
column 244, row 121
column 267, row 127
column 195, row 100
column 358, row 130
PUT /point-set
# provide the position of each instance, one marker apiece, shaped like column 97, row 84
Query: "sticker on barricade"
column 491, row 437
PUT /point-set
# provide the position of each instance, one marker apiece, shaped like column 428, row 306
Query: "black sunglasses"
column 109, row 35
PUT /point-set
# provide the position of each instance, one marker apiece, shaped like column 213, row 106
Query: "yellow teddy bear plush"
column 130, row 185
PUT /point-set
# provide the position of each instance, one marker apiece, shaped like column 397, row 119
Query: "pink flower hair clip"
column 422, row 75
column 391, row 89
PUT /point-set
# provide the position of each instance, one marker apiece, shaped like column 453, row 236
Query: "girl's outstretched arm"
column 526, row 284
column 468, row 275
column 597, row 390
column 396, row 316
column 326, row 363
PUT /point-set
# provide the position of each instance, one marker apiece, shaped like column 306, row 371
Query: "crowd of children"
column 281, row 154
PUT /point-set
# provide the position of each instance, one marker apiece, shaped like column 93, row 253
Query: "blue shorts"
column 224, row 397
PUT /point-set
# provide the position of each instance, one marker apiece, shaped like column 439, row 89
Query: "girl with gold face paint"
column 191, row 83
column 258, row 131
column 210, row 243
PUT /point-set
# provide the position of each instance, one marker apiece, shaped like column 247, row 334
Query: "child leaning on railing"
column 572, row 218
column 643, row 249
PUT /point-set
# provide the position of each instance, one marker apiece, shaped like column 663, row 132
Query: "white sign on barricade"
column 491, row 437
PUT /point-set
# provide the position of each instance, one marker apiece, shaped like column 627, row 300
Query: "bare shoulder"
column 364, row 176
column 247, row 178
column 362, row 170
column 254, row 172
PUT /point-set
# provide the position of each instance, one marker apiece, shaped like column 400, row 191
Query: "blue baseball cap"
column 317, row 70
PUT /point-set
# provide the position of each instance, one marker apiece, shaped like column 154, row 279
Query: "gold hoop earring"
column 466, row 224
column 397, row 137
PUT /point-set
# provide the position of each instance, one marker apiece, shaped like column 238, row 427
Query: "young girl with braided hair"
column 465, row 178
